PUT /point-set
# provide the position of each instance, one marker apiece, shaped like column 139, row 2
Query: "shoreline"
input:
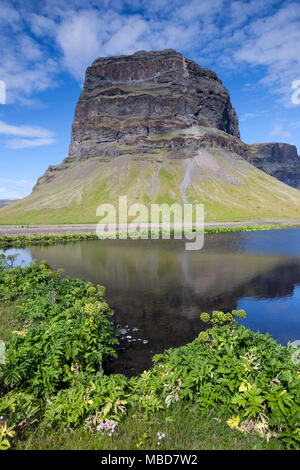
column 20, row 240
column 72, row 229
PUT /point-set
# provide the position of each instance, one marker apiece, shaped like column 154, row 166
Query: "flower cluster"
column 221, row 318
column 203, row 336
column 107, row 426
column 160, row 437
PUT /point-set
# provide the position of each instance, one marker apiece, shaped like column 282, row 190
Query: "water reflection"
column 161, row 289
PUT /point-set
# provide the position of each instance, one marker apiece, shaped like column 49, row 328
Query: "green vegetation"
column 184, row 427
column 165, row 174
column 230, row 188
column 248, row 228
column 46, row 239
column 229, row 388
column 8, row 322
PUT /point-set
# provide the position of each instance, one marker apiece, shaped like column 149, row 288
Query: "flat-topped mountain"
column 279, row 160
column 146, row 94
column 157, row 127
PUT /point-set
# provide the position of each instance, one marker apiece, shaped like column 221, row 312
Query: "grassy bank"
column 183, row 427
column 46, row 239
column 230, row 187
column 230, row 388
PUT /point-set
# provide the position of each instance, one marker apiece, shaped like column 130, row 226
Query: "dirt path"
column 11, row 230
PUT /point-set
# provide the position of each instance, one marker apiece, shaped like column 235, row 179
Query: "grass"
column 184, row 428
column 165, row 174
column 229, row 187
column 8, row 322
column 47, row 239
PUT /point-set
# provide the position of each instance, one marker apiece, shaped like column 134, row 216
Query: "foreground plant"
column 5, row 433
column 66, row 335
column 53, row 378
column 248, row 375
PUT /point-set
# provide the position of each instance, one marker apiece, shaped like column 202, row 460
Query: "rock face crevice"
column 147, row 93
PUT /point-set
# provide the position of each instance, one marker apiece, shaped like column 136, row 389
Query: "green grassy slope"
column 230, row 188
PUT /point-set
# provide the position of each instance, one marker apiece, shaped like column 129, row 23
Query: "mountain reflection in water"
column 161, row 289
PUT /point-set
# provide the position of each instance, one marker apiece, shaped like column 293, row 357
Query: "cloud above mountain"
column 45, row 39
column 26, row 136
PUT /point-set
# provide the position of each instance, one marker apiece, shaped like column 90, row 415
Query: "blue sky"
column 45, row 47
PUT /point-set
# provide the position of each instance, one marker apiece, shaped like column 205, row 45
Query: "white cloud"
column 41, row 26
column 246, row 116
column 88, row 34
column 33, row 136
column 278, row 131
column 80, row 37
column 128, row 37
column 25, row 143
column 273, row 43
column 14, row 188
column 24, row 131
column 8, row 14
column 25, row 67
column 14, row 181
column 43, row 41
column 193, row 9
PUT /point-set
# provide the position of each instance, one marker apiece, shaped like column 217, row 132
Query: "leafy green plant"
column 5, row 433
column 66, row 333
column 247, row 374
column 53, row 377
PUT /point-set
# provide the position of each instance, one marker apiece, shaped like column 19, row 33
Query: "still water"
column 158, row 289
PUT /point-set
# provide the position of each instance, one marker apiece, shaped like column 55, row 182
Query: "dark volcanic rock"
column 279, row 160
column 146, row 94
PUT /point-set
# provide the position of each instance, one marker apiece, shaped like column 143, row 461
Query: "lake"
column 158, row 290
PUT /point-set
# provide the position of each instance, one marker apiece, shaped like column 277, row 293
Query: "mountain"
column 6, row 202
column 279, row 160
column 157, row 127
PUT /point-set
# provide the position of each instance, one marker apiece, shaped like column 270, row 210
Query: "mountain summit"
column 157, row 127
column 146, row 94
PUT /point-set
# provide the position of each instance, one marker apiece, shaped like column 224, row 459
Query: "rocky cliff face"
column 150, row 103
column 279, row 160
column 146, row 94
